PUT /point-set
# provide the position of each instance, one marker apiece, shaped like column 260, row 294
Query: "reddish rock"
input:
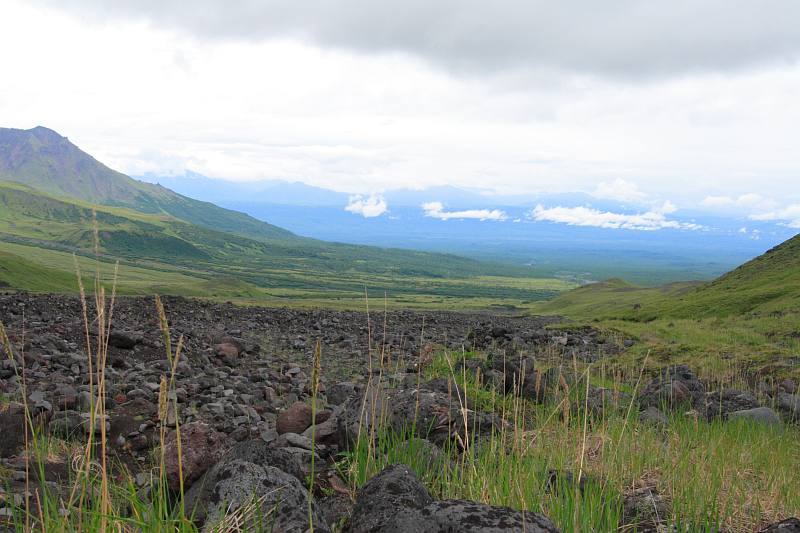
column 788, row 386
column 322, row 416
column 296, row 419
column 226, row 351
column 679, row 393
column 201, row 447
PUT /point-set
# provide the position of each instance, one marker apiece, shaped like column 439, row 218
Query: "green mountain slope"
column 43, row 159
column 52, row 194
column 768, row 284
column 191, row 257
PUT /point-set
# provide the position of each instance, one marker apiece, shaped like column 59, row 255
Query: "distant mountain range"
column 279, row 192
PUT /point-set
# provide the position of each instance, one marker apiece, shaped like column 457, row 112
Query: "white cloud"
column 372, row 206
column 620, row 190
column 788, row 216
column 666, row 208
column 585, row 216
column 718, row 201
column 436, row 210
column 748, row 201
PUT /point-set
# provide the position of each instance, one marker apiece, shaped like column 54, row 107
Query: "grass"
column 712, row 476
column 767, row 285
column 40, row 269
column 162, row 243
column 743, row 324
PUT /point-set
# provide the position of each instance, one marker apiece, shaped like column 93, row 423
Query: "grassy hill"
column 48, row 162
column 769, row 283
column 168, row 255
column 744, row 323
column 52, row 194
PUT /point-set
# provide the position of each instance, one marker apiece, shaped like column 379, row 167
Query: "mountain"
column 768, row 284
column 48, row 162
column 56, row 201
column 279, row 192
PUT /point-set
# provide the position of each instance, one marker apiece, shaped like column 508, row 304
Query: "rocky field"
column 239, row 420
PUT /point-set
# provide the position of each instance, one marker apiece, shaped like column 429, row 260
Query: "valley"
column 171, row 365
column 182, row 246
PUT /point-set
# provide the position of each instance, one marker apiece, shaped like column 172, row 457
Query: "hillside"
column 767, row 284
column 48, row 162
column 160, row 253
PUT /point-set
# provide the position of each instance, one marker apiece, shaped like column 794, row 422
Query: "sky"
column 689, row 104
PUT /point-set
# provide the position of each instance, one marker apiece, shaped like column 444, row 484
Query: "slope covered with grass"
column 43, row 159
column 170, row 255
column 769, row 283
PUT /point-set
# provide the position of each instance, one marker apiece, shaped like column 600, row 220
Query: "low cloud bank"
column 652, row 220
column 789, row 216
column 436, row 210
column 620, row 190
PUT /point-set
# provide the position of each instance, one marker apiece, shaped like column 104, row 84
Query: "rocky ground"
column 242, row 387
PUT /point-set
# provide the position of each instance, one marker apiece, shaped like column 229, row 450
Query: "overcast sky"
column 695, row 102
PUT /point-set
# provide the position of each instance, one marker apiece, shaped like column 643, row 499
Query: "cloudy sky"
column 692, row 102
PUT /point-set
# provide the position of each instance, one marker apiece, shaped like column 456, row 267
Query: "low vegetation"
column 165, row 255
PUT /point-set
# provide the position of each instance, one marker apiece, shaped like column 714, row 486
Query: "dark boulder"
column 339, row 393
column 439, row 417
column 355, row 417
column 676, row 387
column 395, row 501
column 12, row 429
column 474, row 517
column 389, row 502
column 720, row 404
column 125, row 340
column 653, row 416
column 789, row 404
column 788, row 386
column 256, row 451
column 248, row 496
column 791, row 525
column 518, row 373
column 760, row 415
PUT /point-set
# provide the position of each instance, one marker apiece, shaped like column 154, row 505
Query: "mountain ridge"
column 44, row 159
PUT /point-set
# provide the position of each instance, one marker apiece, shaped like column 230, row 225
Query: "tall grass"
column 718, row 476
column 96, row 499
column 711, row 476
